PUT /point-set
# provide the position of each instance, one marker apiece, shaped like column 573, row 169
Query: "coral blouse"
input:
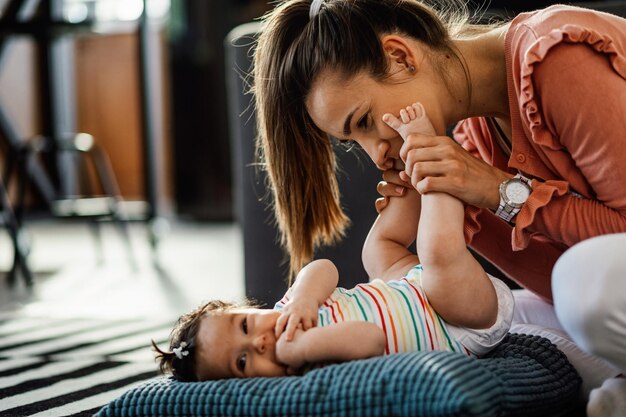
column 566, row 76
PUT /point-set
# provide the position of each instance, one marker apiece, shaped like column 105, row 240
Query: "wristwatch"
column 513, row 194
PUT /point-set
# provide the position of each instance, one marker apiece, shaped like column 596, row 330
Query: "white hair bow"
column 179, row 351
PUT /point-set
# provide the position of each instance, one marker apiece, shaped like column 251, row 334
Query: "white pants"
column 589, row 290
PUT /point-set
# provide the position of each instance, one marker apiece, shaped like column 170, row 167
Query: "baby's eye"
column 244, row 325
column 241, row 363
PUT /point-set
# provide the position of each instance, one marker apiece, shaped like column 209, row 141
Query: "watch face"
column 517, row 192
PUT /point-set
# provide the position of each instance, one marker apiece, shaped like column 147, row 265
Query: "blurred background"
column 126, row 149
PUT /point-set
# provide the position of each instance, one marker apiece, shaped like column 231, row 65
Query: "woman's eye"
column 244, row 325
column 241, row 363
column 362, row 123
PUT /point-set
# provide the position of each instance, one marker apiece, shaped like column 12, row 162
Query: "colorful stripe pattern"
column 399, row 307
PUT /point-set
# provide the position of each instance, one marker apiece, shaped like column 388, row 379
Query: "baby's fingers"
column 280, row 324
column 292, row 325
column 307, row 323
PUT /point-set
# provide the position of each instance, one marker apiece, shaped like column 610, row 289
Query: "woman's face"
column 353, row 109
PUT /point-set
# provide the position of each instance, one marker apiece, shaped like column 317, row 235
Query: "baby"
column 440, row 299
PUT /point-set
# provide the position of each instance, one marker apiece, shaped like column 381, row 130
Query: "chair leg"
column 122, row 226
column 109, row 184
column 20, row 259
column 19, row 246
column 96, row 231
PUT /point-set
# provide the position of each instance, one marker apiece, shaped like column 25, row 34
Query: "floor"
column 196, row 262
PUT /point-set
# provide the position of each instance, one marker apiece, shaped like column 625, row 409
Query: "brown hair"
column 185, row 331
column 292, row 50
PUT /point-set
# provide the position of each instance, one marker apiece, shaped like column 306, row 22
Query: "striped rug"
column 52, row 367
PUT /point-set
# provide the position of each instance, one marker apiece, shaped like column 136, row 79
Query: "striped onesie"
column 401, row 310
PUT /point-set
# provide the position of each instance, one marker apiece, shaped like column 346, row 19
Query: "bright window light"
column 113, row 10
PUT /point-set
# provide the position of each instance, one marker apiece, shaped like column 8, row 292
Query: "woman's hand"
column 391, row 186
column 297, row 313
column 438, row 163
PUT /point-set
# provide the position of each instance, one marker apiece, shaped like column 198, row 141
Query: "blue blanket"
column 524, row 376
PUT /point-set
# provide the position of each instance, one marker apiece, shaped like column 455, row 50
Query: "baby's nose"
column 259, row 343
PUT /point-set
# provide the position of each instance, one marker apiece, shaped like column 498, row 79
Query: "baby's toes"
column 411, row 111
column 404, row 116
column 418, row 109
column 421, row 123
column 392, row 121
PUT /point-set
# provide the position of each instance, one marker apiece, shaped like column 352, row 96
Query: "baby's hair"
column 181, row 365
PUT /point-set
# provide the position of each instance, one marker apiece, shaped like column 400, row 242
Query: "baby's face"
column 238, row 344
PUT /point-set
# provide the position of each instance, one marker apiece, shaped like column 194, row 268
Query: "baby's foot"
column 609, row 400
column 412, row 119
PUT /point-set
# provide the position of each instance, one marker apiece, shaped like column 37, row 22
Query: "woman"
column 541, row 102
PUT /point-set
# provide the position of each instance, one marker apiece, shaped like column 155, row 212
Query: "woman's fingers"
column 420, row 170
column 393, row 176
column 381, row 204
column 388, row 189
column 468, row 179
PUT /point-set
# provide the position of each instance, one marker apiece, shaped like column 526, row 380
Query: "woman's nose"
column 377, row 150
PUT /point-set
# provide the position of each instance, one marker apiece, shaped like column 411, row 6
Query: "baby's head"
column 222, row 340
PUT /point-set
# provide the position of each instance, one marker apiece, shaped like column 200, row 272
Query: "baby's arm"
column 339, row 342
column 385, row 252
column 314, row 284
column 455, row 283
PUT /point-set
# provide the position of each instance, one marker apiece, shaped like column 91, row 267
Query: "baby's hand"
column 290, row 352
column 296, row 313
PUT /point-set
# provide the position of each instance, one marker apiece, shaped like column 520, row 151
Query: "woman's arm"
column 339, row 342
column 591, row 144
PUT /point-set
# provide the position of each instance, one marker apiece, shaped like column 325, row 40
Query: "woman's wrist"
column 494, row 190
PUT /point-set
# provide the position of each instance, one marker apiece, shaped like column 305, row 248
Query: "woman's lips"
column 398, row 164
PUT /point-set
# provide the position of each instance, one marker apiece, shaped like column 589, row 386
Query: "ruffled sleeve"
column 571, row 88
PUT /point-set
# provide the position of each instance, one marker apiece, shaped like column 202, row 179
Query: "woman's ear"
column 403, row 56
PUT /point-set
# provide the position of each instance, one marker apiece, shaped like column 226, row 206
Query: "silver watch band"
column 506, row 212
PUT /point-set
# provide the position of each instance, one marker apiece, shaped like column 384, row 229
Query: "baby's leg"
column 455, row 283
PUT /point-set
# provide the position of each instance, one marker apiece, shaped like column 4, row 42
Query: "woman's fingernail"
column 386, row 117
column 400, row 190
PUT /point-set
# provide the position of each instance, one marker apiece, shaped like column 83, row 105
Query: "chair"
column 97, row 196
column 20, row 249
column 72, row 175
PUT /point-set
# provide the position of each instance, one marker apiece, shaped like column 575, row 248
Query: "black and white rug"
column 52, row 367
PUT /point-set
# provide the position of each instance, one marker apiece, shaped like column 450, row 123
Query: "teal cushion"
column 525, row 375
